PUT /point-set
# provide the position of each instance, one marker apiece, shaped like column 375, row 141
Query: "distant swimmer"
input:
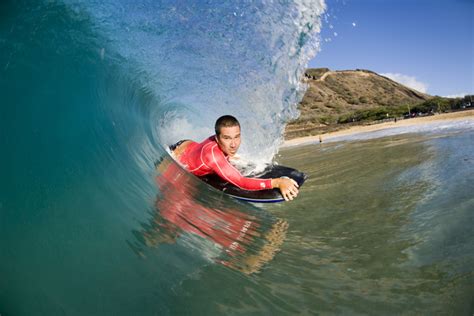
column 212, row 157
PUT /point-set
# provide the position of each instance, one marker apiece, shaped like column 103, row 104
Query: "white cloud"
column 408, row 81
column 354, row 24
column 458, row 95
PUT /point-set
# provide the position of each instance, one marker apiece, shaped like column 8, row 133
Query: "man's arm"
column 216, row 160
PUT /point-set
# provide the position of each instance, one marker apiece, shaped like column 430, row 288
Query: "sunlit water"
column 383, row 226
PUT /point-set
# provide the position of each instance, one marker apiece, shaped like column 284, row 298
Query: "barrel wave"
column 95, row 217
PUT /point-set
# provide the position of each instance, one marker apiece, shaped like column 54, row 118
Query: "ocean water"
column 96, row 219
column 383, row 226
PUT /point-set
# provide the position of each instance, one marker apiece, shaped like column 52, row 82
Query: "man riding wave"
column 213, row 154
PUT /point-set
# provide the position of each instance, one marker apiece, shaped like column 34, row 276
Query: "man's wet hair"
column 225, row 121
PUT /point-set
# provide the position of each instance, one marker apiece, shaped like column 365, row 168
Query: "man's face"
column 229, row 140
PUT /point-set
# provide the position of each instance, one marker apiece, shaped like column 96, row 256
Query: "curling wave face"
column 204, row 59
column 92, row 93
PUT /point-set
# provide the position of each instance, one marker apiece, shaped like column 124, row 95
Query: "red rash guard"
column 204, row 158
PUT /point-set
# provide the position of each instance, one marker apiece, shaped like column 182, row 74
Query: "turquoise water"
column 96, row 219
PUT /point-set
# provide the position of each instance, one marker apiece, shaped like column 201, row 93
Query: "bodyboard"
column 261, row 196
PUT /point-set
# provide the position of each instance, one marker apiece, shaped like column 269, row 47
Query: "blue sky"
column 425, row 44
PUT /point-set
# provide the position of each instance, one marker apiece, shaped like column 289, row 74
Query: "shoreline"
column 354, row 130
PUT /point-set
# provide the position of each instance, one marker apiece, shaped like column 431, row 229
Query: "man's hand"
column 288, row 187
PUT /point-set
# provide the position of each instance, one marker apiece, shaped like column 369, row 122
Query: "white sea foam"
column 434, row 127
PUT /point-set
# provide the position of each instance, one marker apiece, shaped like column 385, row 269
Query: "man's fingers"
column 290, row 190
column 294, row 190
column 289, row 195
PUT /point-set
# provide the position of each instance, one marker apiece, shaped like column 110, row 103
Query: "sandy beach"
column 446, row 117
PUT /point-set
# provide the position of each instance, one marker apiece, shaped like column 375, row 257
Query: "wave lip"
column 203, row 61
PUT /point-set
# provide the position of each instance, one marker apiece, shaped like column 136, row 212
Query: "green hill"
column 336, row 98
